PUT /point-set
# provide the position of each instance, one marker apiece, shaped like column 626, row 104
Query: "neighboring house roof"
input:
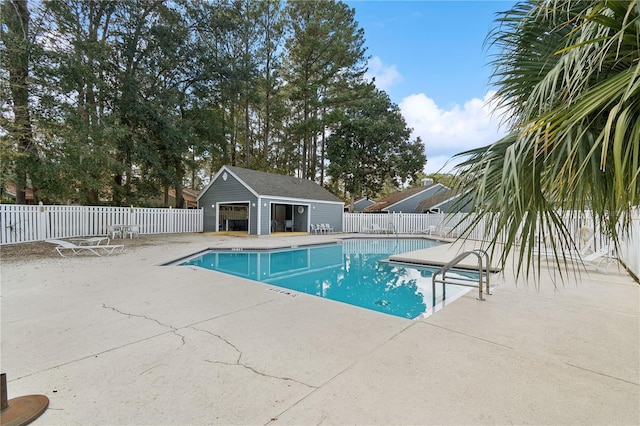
column 397, row 197
column 190, row 196
column 467, row 202
column 394, row 198
column 275, row 185
column 436, row 199
column 360, row 204
column 10, row 189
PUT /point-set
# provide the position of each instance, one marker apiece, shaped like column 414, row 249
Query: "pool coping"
column 292, row 246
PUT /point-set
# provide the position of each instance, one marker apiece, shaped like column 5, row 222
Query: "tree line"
column 107, row 102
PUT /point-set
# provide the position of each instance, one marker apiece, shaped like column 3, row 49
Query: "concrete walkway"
column 123, row 341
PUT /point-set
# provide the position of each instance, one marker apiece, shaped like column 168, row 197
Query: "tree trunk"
column 322, row 149
column 232, row 113
column 267, row 119
column 247, row 139
column 313, row 156
column 16, row 39
column 180, row 172
column 305, row 142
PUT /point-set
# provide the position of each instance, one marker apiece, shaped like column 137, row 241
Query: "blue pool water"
column 348, row 272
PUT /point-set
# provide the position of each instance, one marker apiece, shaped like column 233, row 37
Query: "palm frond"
column 570, row 73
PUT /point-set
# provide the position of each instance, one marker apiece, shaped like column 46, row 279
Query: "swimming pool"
column 348, row 272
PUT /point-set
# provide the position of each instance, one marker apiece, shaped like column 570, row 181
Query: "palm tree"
column 568, row 72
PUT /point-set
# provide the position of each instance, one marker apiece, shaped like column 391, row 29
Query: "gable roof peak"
column 277, row 185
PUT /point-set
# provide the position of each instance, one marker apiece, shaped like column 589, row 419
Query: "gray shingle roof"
column 394, row 198
column 438, row 198
column 271, row 184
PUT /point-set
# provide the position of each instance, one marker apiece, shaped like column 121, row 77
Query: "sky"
column 429, row 56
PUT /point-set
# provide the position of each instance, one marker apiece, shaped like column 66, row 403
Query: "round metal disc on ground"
column 23, row 410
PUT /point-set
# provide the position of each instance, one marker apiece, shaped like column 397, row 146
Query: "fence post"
column 42, row 222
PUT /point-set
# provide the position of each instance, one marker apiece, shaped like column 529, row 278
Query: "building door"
column 280, row 217
column 234, row 217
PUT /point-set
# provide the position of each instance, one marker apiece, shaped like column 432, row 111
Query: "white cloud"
column 438, row 164
column 448, row 132
column 385, row 75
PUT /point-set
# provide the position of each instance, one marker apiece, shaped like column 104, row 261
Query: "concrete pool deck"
column 121, row 340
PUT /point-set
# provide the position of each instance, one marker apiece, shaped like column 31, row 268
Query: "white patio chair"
column 114, row 230
column 131, row 231
column 328, row 228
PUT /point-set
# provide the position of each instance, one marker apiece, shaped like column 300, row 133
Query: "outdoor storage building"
column 261, row 203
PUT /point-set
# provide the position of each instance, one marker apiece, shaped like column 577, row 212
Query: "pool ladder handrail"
column 480, row 254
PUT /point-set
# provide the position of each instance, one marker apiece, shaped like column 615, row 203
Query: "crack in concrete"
column 173, row 329
column 602, row 374
column 151, row 368
column 467, row 335
column 223, row 339
column 248, row 367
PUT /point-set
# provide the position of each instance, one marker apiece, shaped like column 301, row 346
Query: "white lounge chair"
column 373, row 229
column 449, row 232
column 599, row 259
column 98, row 249
column 90, row 241
column 430, row 230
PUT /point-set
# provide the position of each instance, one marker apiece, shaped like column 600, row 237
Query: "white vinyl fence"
column 630, row 247
column 22, row 223
column 409, row 223
column 442, row 225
